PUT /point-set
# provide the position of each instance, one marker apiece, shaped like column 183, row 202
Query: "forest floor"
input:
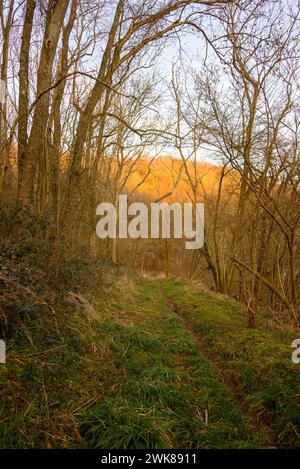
column 145, row 363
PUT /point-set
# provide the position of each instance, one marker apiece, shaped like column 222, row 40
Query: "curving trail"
column 270, row 437
column 164, row 390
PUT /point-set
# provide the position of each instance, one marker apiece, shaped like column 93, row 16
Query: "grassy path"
column 150, row 364
column 255, row 364
column 163, row 392
column 263, row 426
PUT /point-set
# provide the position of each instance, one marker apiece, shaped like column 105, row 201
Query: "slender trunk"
column 4, row 146
column 36, row 161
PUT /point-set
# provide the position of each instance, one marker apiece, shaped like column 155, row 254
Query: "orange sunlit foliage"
column 164, row 172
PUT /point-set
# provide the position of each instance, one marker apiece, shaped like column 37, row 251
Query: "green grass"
column 125, row 372
column 163, row 391
column 257, row 362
